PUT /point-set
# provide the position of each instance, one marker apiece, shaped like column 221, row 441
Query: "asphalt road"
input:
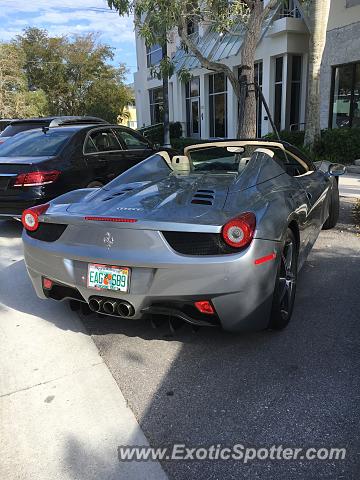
column 297, row 388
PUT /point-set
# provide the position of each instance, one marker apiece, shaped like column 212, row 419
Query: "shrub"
column 155, row 133
column 180, row 143
column 338, row 145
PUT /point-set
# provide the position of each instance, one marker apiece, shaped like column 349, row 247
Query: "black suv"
column 16, row 126
column 39, row 165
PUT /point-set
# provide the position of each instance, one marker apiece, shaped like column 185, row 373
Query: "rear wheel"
column 285, row 286
column 334, row 208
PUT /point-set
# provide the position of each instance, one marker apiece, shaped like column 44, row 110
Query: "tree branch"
column 206, row 63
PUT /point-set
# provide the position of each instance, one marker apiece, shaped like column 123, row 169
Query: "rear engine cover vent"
column 204, row 197
column 118, row 194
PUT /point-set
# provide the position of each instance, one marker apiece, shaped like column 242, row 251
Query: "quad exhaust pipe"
column 110, row 306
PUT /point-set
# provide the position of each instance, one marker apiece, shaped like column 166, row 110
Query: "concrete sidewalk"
column 62, row 414
column 349, row 186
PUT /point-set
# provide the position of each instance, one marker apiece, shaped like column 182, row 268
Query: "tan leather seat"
column 181, row 163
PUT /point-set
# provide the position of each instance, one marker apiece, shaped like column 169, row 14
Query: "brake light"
column 111, row 219
column 47, row 283
column 239, row 231
column 35, row 179
column 204, row 306
column 30, row 216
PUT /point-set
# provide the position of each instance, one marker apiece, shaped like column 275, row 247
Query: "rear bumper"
column 13, row 202
column 240, row 291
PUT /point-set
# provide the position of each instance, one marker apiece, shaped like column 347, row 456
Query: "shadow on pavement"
column 297, row 388
column 18, row 294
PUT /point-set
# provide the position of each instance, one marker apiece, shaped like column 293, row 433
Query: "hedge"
column 338, row 145
column 180, row 143
column 155, row 133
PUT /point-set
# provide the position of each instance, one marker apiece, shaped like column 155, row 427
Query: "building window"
column 218, row 105
column 192, row 27
column 156, row 105
column 278, row 91
column 192, row 94
column 295, row 91
column 154, row 55
column 258, row 77
column 345, row 93
column 352, row 3
column 289, row 9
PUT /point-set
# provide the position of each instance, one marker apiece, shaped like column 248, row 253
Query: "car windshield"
column 35, row 144
column 150, row 169
column 221, row 159
column 12, row 130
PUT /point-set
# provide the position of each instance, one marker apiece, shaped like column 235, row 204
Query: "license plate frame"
column 107, row 270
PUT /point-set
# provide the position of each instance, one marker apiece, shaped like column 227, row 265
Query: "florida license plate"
column 104, row 277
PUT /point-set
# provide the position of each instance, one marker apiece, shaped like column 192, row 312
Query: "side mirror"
column 336, row 169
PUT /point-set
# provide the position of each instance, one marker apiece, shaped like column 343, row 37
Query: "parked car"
column 215, row 237
column 4, row 122
column 39, row 165
column 16, row 126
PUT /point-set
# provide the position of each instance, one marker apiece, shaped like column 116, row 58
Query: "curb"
column 353, row 169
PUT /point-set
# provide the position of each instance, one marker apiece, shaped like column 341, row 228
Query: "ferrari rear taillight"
column 239, row 231
column 47, row 283
column 35, row 179
column 204, row 306
column 30, row 216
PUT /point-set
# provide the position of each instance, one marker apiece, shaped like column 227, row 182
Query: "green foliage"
column 154, row 19
column 180, row 143
column 155, row 133
column 337, row 145
column 74, row 73
column 15, row 99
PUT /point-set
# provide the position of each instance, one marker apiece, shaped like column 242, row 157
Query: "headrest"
column 181, row 163
column 267, row 151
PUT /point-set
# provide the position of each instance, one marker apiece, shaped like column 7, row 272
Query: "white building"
column 206, row 106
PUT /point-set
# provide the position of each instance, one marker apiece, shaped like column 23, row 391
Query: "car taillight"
column 34, row 179
column 204, row 306
column 239, row 231
column 30, row 216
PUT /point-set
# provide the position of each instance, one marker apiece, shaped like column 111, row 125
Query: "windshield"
column 35, row 144
column 150, row 169
column 221, row 159
column 12, row 130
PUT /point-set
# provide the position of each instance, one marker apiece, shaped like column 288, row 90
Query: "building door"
column 195, row 117
column 192, row 93
column 218, row 105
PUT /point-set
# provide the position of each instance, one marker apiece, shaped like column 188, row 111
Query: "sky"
column 72, row 17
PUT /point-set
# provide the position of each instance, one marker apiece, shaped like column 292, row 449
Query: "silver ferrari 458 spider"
column 215, row 237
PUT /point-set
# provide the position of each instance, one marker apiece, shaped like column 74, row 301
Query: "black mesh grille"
column 48, row 232
column 191, row 243
column 203, row 197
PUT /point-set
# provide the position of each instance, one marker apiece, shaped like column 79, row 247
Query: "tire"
column 95, row 184
column 334, row 208
column 285, row 285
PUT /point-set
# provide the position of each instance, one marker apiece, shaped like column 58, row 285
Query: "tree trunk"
column 247, row 107
column 166, row 105
column 319, row 15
